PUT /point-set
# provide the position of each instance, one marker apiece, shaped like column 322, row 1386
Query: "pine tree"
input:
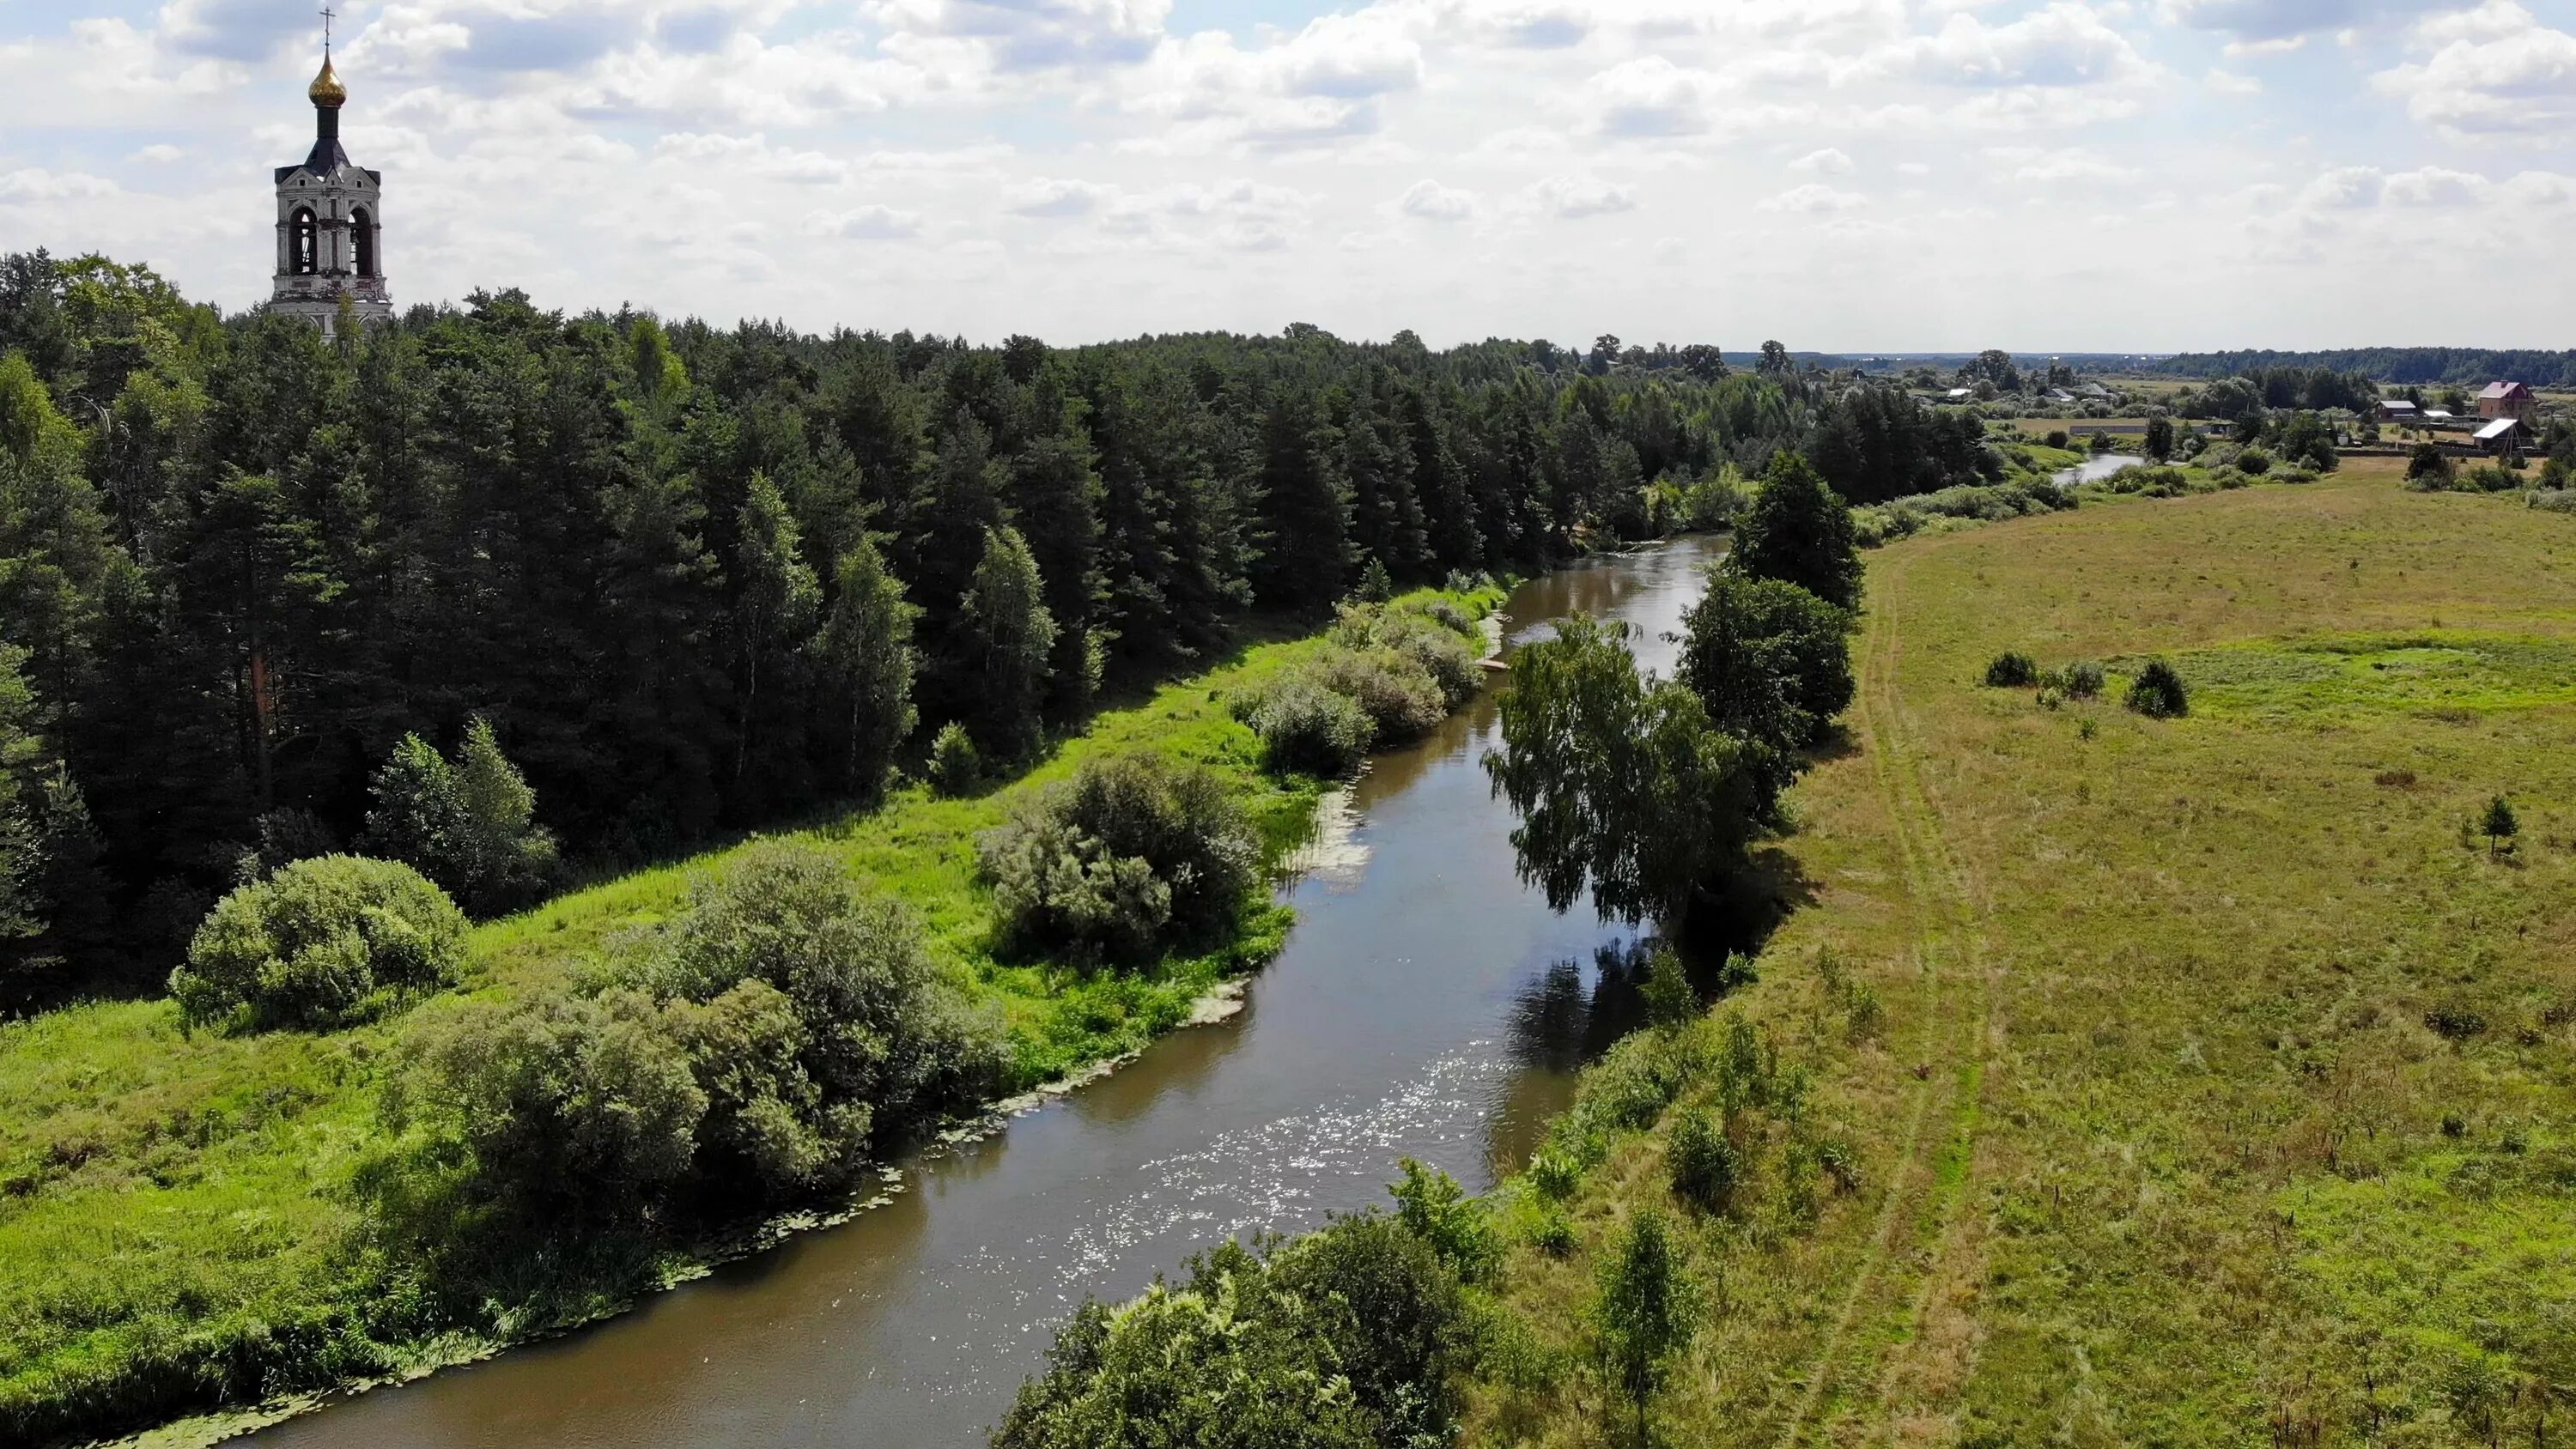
column 865, row 650
column 775, row 599
column 1305, row 536
column 2498, row 824
column 1009, row 637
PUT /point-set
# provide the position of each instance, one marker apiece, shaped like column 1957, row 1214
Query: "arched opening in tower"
column 362, row 233
column 308, row 255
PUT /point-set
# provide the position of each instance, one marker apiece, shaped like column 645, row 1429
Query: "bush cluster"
column 1346, row 1338
column 323, row 942
column 1902, row 518
column 2011, row 670
column 1387, row 675
column 781, row 1028
column 1131, row 856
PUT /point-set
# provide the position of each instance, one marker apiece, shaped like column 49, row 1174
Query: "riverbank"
column 178, row 1224
column 2161, row 1049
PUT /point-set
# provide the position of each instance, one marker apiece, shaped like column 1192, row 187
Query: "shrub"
column 2428, row 468
column 1704, row 1165
column 1307, row 729
column 2081, row 679
column 2056, row 438
column 566, row 1103
column 2493, row 478
column 2011, row 670
column 323, row 942
column 1433, row 1207
column 876, row 1040
column 2254, row 461
column 1401, row 699
column 2558, row 502
column 1349, row 1336
column 955, row 767
column 783, row 1025
column 1131, row 855
column 2158, row 692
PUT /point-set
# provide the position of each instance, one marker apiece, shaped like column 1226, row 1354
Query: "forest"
column 652, row 583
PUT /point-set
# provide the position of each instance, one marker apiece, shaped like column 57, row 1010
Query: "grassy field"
column 180, row 1198
column 2219, row 1088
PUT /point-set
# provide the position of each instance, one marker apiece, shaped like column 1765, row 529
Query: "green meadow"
column 2194, row 1081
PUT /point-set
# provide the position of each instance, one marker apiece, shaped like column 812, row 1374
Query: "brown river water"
column 1427, row 1005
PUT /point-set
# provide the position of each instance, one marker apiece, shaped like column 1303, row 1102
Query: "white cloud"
column 2041, row 166
column 40, row 185
column 1814, row 198
column 2229, row 83
column 1573, row 198
column 865, row 223
column 1054, row 198
column 2496, row 70
column 2262, row 20
column 1827, row 162
column 1432, row 201
column 2064, row 44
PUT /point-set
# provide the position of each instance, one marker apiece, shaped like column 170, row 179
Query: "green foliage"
column 469, row 825
column 2082, row 679
column 321, row 943
column 1009, row 638
column 1799, row 532
column 2498, row 824
column 1769, row 660
column 1306, row 728
column 1131, row 856
column 2011, row 670
column 956, row 767
column 1670, row 998
column 1347, row 1338
column 865, row 650
column 2158, row 692
column 1705, row 1167
column 2428, row 467
column 1645, row 1311
column 1622, row 786
column 781, row 1028
column 1433, row 1207
column 2159, row 441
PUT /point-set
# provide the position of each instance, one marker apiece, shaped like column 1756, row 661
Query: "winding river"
column 1427, row 1005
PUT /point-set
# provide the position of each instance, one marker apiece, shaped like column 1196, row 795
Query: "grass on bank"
column 2216, row 1082
column 167, row 1195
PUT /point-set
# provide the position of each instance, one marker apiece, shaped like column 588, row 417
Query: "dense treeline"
column 2283, row 388
column 693, row 579
column 2401, row 365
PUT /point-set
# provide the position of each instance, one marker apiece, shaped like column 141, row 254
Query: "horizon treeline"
column 700, row 579
column 2403, row 366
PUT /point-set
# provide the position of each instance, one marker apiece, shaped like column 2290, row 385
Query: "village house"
column 2503, row 438
column 2398, row 410
column 2507, row 400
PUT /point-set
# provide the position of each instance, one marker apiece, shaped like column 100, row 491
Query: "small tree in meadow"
column 2498, row 825
column 2011, row 670
column 2158, row 692
column 1646, row 1313
column 2159, row 443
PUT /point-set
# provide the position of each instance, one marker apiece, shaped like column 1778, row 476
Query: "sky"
column 1843, row 175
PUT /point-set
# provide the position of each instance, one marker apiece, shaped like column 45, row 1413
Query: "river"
column 1427, row 1004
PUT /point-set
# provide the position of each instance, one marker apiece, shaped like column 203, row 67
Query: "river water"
column 1427, row 1004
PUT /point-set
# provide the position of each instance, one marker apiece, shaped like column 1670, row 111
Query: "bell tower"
column 330, row 221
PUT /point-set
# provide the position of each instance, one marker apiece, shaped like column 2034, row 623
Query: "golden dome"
column 326, row 89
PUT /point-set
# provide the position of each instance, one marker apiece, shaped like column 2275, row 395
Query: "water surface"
column 1427, row 1005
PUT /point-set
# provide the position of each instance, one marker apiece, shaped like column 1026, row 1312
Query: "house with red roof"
column 2508, row 400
